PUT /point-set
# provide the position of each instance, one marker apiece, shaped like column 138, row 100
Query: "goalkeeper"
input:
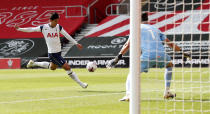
column 153, row 55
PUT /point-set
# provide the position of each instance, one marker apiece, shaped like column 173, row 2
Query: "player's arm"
column 70, row 38
column 172, row 45
column 29, row 29
column 175, row 47
column 124, row 49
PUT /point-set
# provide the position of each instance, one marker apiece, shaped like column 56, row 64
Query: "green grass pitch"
column 38, row 91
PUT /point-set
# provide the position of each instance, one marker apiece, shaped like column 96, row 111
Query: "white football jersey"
column 51, row 35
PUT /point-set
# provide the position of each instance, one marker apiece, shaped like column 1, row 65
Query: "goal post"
column 135, row 20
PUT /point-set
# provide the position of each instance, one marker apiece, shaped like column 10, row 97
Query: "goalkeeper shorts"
column 159, row 61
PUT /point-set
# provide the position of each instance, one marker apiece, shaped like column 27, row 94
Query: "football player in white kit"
column 51, row 32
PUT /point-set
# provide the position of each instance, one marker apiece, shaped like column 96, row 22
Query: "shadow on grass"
column 192, row 100
column 175, row 100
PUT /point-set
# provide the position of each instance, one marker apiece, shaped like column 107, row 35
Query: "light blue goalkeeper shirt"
column 151, row 42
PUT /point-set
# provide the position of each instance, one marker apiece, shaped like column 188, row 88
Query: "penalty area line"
column 55, row 98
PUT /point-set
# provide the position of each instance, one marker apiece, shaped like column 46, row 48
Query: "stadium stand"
column 168, row 22
column 74, row 14
column 34, row 13
column 77, row 15
column 29, row 14
column 111, row 26
column 189, row 22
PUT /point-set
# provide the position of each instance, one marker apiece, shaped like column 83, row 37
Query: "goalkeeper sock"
column 42, row 64
column 168, row 76
column 73, row 76
column 128, row 85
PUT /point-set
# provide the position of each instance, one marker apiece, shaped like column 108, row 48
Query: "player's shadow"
column 94, row 91
column 176, row 100
column 192, row 100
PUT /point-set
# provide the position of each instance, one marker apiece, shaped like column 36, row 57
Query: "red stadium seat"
column 35, row 13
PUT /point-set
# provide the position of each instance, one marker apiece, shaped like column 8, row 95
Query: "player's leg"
column 168, row 77
column 53, row 66
column 144, row 68
column 164, row 61
column 43, row 64
column 57, row 59
column 73, row 75
column 128, row 85
column 127, row 96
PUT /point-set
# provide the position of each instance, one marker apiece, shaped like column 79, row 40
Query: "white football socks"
column 74, row 77
column 168, row 77
column 128, row 85
column 42, row 64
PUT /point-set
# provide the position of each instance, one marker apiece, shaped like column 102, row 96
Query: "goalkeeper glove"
column 187, row 56
column 114, row 61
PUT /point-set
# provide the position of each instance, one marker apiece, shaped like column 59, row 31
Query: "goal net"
column 187, row 24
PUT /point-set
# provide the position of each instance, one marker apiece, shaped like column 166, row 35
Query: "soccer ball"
column 91, row 66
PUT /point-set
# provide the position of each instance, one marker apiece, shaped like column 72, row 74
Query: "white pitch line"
column 55, row 98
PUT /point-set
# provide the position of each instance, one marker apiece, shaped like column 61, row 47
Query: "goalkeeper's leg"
column 127, row 96
column 167, row 77
column 144, row 68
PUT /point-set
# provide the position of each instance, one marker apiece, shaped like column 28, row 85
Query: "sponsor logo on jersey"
column 52, row 35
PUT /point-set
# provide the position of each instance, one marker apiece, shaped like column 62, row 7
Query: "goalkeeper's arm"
column 176, row 48
column 124, row 49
